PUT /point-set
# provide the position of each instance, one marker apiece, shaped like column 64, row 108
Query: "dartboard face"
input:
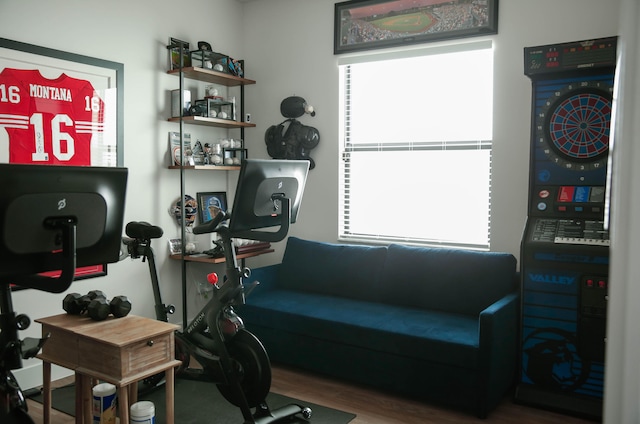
column 574, row 124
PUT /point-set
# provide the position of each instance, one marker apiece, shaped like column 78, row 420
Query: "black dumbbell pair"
column 96, row 305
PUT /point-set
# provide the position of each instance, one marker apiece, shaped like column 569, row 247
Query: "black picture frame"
column 406, row 23
column 107, row 78
column 216, row 199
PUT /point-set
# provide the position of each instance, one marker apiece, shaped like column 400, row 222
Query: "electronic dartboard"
column 565, row 247
column 574, row 123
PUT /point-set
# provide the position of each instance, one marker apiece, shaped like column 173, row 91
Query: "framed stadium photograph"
column 209, row 204
column 376, row 24
column 60, row 108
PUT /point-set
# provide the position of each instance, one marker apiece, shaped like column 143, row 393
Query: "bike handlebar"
column 211, row 226
column 62, row 282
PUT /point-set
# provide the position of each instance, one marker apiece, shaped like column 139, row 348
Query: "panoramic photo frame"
column 375, row 24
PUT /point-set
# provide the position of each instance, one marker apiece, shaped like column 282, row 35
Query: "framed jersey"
column 60, row 108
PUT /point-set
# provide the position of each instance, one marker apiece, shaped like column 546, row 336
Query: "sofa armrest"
column 498, row 327
column 266, row 275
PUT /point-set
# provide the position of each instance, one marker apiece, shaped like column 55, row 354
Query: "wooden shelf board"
column 210, row 260
column 208, row 167
column 212, row 122
column 208, row 75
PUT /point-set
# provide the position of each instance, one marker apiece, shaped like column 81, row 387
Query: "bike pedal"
column 31, row 346
column 251, row 287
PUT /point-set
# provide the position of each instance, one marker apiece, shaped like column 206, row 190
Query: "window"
column 416, row 130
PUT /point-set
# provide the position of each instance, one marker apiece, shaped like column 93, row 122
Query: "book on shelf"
column 253, row 247
column 174, row 149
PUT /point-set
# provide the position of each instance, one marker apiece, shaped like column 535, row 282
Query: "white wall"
column 288, row 48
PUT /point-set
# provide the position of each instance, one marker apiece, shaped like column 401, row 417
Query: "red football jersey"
column 49, row 121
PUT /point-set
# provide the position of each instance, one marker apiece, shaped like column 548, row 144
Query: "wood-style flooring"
column 371, row 406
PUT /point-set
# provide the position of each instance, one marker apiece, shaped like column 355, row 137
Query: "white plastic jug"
column 143, row 412
column 104, row 404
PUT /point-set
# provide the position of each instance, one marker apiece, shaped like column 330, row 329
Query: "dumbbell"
column 99, row 308
column 77, row 304
column 96, row 305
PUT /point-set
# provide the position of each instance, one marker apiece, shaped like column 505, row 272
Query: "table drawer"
column 124, row 361
column 147, row 354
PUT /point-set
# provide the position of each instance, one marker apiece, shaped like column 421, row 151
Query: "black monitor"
column 38, row 206
column 265, row 188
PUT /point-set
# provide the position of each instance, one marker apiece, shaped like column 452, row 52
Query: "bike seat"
column 143, row 230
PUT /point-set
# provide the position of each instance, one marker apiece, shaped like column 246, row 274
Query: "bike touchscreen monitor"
column 34, row 196
column 261, row 183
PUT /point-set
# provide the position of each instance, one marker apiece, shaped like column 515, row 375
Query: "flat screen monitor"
column 260, row 183
column 33, row 196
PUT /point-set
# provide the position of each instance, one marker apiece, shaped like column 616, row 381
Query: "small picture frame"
column 175, row 246
column 210, row 203
column 178, row 48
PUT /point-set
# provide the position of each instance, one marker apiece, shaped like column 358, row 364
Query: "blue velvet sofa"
column 434, row 324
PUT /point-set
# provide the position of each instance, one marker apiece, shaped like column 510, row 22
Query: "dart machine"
column 565, row 246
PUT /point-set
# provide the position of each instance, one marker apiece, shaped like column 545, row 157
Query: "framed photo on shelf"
column 376, row 24
column 60, row 108
column 209, row 204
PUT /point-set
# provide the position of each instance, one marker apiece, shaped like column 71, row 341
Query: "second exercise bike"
column 231, row 356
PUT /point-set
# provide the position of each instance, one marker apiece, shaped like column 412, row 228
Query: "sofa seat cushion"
column 427, row 335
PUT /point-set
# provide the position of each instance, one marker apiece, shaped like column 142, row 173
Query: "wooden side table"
column 121, row 351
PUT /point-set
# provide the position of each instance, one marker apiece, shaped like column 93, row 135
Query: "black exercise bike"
column 231, row 356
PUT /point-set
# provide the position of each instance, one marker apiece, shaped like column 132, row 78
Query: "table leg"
column 133, row 393
column 169, row 396
column 79, row 398
column 46, row 392
column 86, row 400
column 123, row 403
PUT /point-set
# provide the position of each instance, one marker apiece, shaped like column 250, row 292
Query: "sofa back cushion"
column 452, row 280
column 333, row 269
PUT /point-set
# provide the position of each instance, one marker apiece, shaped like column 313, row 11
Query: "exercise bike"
column 52, row 219
column 231, row 356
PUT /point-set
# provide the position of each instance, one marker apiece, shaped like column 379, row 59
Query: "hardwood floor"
column 370, row 406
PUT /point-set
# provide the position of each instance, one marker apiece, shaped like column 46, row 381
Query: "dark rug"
column 200, row 403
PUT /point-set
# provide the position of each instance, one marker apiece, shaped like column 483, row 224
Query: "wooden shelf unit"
column 227, row 80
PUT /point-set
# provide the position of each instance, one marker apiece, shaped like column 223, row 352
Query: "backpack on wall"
column 292, row 140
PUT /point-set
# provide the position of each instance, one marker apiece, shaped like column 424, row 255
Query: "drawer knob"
column 150, row 343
